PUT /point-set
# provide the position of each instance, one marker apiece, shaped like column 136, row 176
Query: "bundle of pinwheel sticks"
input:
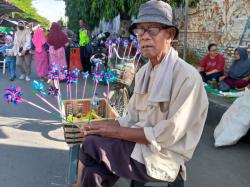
column 73, row 112
column 81, row 112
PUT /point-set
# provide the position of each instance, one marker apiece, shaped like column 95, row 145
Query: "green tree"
column 92, row 11
column 29, row 11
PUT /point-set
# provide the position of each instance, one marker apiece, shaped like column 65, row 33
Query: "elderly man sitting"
column 165, row 117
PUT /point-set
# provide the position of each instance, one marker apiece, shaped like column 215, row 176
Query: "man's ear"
column 172, row 33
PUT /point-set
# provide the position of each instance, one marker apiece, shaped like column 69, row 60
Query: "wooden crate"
column 72, row 133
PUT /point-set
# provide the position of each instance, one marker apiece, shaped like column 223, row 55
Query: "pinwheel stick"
column 129, row 50
column 116, row 55
column 96, row 83
column 84, row 88
column 108, row 91
column 49, row 112
column 48, row 103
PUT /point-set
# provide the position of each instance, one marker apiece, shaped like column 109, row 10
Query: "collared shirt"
column 174, row 127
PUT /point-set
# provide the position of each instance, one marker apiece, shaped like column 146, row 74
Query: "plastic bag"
column 234, row 123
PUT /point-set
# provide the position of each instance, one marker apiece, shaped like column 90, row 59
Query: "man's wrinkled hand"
column 109, row 128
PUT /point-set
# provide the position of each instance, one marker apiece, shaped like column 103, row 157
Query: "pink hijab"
column 39, row 39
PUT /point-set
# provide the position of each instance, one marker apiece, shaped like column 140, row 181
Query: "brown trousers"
column 24, row 64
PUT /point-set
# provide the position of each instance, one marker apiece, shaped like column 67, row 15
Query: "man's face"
column 213, row 51
column 154, row 38
column 81, row 23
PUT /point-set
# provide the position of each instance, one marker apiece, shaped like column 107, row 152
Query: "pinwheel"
column 14, row 95
column 39, row 88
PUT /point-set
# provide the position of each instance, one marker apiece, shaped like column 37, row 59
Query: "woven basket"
column 72, row 133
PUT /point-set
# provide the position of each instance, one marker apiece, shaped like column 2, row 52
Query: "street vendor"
column 165, row 119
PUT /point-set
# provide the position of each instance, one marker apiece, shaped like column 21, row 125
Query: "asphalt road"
column 33, row 153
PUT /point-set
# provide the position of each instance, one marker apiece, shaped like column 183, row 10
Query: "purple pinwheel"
column 125, row 43
column 109, row 77
column 97, row 63
column 64, row 72
column 52, row 91
column 13, row 95
column 133, row 40
column 118, row 40
column 108, row 43
column 97, row 77
column 53, row 74
column 75, row 73
column 71, row 78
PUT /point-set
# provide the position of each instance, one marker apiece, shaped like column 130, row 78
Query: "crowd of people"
column 43, row 48
column 212, row 69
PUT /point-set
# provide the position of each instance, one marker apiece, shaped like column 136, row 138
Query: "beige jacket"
column 22, row 39
column 172, row 118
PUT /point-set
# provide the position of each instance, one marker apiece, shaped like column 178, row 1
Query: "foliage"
column 92, row 11
column 192, row 58
column 29, row 11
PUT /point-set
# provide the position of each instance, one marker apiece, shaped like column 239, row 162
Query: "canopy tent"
column 7, row 23
column 26, row 19
column 5, row 29
column 6, row 8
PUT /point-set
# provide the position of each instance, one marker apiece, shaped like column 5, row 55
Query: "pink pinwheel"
column 109, row 77
column 97, row 77
column 75, row 73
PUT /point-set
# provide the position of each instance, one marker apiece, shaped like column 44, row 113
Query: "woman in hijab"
column 41, row 55
column 57, row 41
column 239, row 73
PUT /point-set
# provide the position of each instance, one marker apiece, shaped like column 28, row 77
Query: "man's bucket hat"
column 157, row 12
